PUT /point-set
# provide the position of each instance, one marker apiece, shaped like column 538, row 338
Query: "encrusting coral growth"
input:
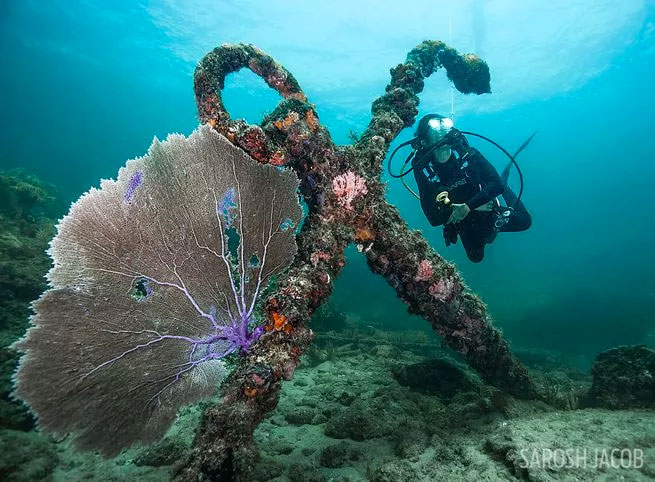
column 156, row 280
column 346, row 198
column 425, row 271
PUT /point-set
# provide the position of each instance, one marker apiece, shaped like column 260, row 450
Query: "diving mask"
column 438, row 127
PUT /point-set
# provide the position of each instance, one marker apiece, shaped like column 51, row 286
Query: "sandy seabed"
column 385, row 412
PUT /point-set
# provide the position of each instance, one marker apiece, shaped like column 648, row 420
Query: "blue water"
column 85, row 86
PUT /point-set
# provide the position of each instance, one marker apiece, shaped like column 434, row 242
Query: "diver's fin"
column 505, row 175
column 525, row 144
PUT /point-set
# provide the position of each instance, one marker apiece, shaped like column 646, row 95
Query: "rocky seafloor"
column 388, row 407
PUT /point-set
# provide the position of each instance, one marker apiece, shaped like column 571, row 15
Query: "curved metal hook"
column 398, row 107
column 209, row 78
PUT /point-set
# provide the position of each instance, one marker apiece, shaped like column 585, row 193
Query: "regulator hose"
column 518, row 169
column 402, row 174
column 433, row 147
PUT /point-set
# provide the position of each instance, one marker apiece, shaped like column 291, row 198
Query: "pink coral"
column 318, row 256
column 443, row 289
column 425, row 271
column 347, row 187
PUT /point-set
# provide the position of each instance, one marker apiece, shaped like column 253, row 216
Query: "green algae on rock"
column 623, row 377
column 28, row 211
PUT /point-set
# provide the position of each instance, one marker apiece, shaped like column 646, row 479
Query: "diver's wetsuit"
column 474, row 181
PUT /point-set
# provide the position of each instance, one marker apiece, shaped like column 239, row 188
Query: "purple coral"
column 134, row 182
column 227, row 207
column 146, row 301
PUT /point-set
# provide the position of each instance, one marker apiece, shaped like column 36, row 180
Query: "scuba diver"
column 459, row 188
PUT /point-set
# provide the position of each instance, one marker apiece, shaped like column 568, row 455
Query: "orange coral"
column 288, row 121
column 279, row 320
column 250, row 392
column 311, row 120
column 278, row 158
column 364, row 234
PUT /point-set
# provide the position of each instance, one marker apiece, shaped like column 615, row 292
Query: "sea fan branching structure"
column 156, row 280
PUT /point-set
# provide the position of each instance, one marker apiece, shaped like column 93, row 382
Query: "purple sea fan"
column 146, row 298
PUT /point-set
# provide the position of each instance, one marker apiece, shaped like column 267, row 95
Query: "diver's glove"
column 460, row 211
column 457, row 141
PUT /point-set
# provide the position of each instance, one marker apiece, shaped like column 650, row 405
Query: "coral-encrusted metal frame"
column 343, row 189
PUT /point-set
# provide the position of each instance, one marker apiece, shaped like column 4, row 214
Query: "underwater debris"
column 442, row 376
column 147, row 297
column 333, row 177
